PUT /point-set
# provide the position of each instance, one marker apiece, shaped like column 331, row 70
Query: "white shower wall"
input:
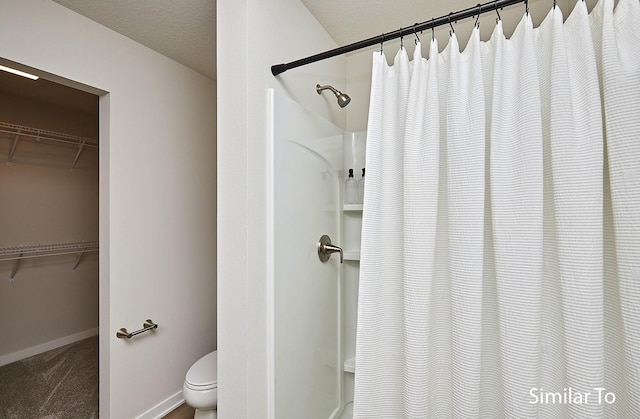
column 251, row 38
column 306, row 293
column 313, row 304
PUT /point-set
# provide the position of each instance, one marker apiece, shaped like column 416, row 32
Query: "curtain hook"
column 477, row 24
column 452, row 31
column 497, row 12
column 554, row 4
column 382, row 44
column 401, row 39
column 416, row 34
column 433, row 30
column 526, row 7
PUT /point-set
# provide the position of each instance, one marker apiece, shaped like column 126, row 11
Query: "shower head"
column 343, row 98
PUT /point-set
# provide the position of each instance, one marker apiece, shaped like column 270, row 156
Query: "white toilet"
column 200, row 389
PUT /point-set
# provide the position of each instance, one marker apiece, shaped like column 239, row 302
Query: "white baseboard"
column 47, row 346
column 164, row 407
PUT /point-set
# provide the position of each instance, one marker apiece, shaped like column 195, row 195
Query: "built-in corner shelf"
column 352, row 207
column 350, row 365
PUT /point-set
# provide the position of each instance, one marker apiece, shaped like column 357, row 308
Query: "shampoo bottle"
column 361, row 188
column 351, row 189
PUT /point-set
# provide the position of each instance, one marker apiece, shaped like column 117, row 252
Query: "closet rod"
column 433, row 23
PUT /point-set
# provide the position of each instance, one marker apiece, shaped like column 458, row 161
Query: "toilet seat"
column 201, row 388
column 203, row 375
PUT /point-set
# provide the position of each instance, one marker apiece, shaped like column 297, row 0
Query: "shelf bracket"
column 78, row 258
column 16, row 264
column 13, row 148
column 75, row 160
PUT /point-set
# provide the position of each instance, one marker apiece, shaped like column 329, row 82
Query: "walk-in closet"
column 48, row 249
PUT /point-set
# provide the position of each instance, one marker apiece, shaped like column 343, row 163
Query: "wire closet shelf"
column 17, row 253
column 19, row 132
column 38, row 250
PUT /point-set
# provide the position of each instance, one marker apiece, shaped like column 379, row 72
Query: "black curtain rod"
column 443, row 20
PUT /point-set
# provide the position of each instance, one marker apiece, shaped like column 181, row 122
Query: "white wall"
column 252, row 36
column 43, row 202
column 157, row 196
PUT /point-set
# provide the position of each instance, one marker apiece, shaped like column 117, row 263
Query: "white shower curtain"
column 500, row 262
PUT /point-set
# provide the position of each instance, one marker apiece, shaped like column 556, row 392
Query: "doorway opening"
column 49, row 259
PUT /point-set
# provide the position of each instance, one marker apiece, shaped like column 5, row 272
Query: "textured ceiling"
column 352, row 21
column 182, row 30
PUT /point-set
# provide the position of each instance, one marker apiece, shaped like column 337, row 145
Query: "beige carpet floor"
column 58, row 384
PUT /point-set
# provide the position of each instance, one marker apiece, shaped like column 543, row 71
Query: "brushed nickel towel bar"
column 146, row 326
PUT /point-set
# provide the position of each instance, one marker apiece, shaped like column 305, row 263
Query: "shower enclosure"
column 307, row 332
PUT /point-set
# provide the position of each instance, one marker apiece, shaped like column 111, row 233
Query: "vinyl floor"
column 181, row 412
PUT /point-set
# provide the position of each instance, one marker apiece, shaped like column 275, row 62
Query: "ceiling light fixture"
column 19, row 73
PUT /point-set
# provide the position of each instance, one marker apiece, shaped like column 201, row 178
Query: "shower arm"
column 333, row 89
